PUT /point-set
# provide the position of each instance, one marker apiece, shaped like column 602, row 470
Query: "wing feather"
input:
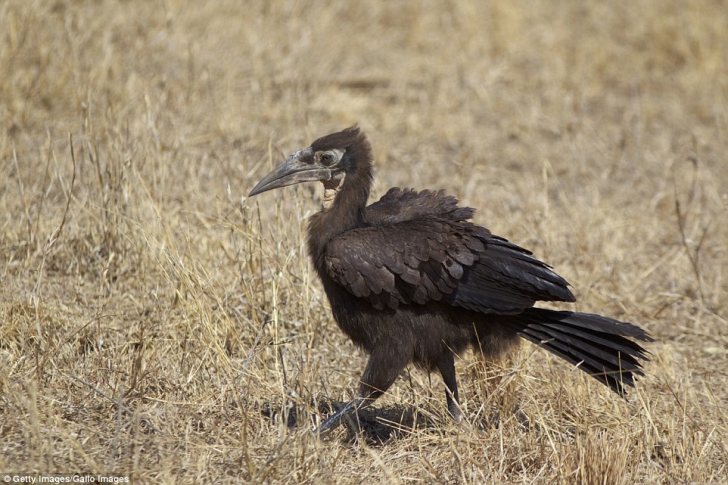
column 414, row 256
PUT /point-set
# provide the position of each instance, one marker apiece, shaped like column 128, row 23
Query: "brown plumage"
column 411, row 279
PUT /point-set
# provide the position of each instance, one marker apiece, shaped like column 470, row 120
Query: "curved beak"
column 298, row 168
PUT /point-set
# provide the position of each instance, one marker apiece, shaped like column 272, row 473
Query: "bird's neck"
column 343, row 210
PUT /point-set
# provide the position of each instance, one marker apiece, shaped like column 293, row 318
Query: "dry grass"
column 152, row 319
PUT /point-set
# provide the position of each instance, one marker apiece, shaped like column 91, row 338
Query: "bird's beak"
column 296, row 169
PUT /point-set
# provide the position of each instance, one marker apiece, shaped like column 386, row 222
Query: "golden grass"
column 156, row 324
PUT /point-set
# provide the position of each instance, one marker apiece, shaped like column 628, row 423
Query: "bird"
column 411, row 279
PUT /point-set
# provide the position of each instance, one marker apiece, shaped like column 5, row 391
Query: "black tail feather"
column 598, row 345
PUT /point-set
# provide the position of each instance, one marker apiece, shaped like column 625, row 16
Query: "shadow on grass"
column 379, row 425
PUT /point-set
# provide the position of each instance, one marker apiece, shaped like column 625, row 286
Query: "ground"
column 157, row 325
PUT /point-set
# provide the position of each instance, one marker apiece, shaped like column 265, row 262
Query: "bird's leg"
column 333, row 421
column 446, row 366
column 384, row 366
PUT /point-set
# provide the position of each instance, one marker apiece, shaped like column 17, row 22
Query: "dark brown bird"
column 410, row 279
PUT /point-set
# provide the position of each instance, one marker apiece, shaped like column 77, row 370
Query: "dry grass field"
column 158, row 325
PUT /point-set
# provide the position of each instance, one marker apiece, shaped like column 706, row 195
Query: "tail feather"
column 584, row 349
column 594, row 371
column 610, row 351
column 598, row 345
column 627, row 347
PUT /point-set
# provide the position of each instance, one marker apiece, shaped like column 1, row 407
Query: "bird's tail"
column 597, row 345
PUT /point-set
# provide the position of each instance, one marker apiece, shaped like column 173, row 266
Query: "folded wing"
column 425, row 254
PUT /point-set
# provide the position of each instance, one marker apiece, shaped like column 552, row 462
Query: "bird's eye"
column 327, row 158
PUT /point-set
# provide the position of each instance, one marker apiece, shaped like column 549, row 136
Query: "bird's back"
column 403, row 205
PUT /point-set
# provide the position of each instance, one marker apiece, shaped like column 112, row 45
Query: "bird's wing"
column 432, row 259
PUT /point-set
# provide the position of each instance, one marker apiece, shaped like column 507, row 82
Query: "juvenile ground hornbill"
column 410, row 279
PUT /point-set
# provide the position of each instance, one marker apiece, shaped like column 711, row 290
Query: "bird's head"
column 331, row 159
